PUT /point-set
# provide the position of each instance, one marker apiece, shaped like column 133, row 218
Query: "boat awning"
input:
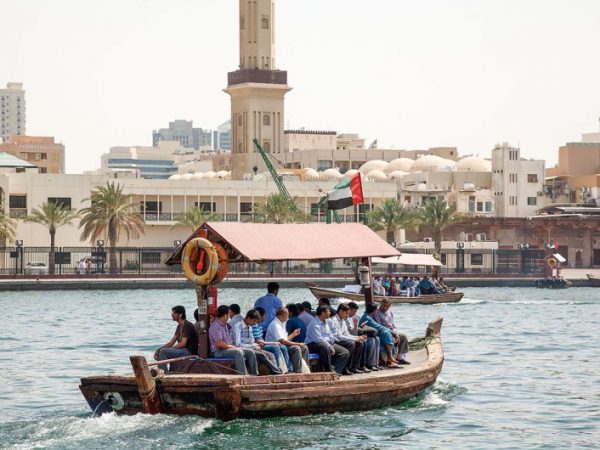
column 273, row 242
column 409, row 259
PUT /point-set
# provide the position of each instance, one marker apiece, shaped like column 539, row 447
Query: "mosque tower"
column 257, row 90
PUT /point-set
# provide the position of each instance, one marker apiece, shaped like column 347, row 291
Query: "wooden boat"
column 594, row 279
column 207, row 387
column 228, row 397
column 449, row 297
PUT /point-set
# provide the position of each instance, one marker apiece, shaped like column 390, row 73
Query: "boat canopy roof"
column 274, row 242
column 409, row 259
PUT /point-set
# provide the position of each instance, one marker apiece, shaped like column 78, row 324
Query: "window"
column 17, row 202
column 477, row 259
column 479, row 206
column 267, row 146
column 44, row 156
column 151, row 258
column 245, row 207
column 324, row 164
column 43, row 170
column 150, row 207
column 531, row 201
column 206, row 206
column 265, row 23
column 65, row 202
column 532, row 178
column 471, row 203
column 512, row 178
column 266, row 120
column 443, row 258
column 488, row 206
column 407, row 199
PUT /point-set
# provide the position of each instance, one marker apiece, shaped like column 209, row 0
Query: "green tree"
column 7, row 228
column 390, row 217
column 194, row 217
column 110, row 214
column 52, row 216
column 436, row 216
column 279, row 209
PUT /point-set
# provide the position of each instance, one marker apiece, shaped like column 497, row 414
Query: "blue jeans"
column 278, row 351
column 170, row 353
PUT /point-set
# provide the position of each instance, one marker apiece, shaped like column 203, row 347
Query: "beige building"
column 301, row 140
column 350, row 141
column 257, row 90
column 13, row 112
column 42, row 151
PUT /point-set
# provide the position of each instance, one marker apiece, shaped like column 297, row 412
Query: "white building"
column 517, row 183
column 12, row 111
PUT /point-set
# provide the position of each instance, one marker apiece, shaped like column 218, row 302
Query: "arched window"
column 267, row 146
column 266, row 120
column 265, row 23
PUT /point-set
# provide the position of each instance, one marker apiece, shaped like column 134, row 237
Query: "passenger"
column 393, row 288
column 221, row 344
column 370, row 358
column 442, row 285
column 295, row 323
column 326, row 302
column 307, row 314
column 277, row 333
column 378, row 286
column 320, row 339
column 384, row 334
column 354, row 344
column 269, row 303
column 235, row 315
column 279, row 351
column 243, row 337
column 385, row 317
column 386, row 285
column 183, row 343
column 426, row 286
column 416, row 290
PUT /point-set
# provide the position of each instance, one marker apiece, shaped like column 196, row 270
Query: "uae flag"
column 347, row 193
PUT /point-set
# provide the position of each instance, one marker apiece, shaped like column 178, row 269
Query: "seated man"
column 278, row 351
column 320, row 339
column 385, row 335
column 243, row 337
column 277, row 333
column 221, row 344
column 354, row 344
column 426, row 286
column 235, row 315
column 385, row 317
column 370, row 358
column 306, row 314
column 183, row 343
column 295, row 323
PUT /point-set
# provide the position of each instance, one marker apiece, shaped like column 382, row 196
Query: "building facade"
column 222, row 137
column 184, row 132
column 42, row 151
column 13, row 111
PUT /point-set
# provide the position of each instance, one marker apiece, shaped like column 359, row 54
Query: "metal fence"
column 29, row 261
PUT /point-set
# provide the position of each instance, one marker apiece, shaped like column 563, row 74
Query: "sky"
column 412, row 74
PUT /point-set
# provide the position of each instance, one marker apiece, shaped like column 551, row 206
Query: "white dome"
column 331, row 174
column 198, row 176
column 222, row 174
column 175, row 177
column 402, row 164
column 397, row 174
column 474, row 164
column 209, row 174
column 187, row 176
column 374, row 164
column 311, row 174
column 376, row 175
column 432, row 163
column 350, row 173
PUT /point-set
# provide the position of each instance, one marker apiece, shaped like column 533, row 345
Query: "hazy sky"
column 414, row 74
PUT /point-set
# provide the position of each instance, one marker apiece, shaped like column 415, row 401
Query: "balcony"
column 18, row 213
column 256, row 76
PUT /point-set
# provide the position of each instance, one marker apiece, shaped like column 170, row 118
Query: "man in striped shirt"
column 243, row 337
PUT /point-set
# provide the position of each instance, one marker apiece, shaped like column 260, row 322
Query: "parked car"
column 36, row 268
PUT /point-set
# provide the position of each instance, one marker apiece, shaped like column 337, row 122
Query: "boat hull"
column 228, row 397
column 449, row 297
column 594, row 280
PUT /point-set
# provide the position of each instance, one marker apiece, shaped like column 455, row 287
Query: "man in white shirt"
column 277, row 333
column 354, row 344
column 235, row 315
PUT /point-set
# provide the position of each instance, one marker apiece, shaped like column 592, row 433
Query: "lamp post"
column 460, row 257
column 525, row 266
column 100, row 257
column 18, row 252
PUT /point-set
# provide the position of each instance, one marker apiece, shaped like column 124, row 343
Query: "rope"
column 420, row 343
column 148, row 393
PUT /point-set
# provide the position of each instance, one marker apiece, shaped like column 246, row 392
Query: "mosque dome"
column 432, row 163
column 198, row 176
column 209, row 174
column 331, row 174
column 474, row 164
column 402, row 164
column 350, row 173
column 187, row 176
column 397, row 175
column 377, row 175
column 175, row 177
column 311, row 174
column 374, row 164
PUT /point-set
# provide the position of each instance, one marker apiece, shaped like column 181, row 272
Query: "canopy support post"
column 368, row 289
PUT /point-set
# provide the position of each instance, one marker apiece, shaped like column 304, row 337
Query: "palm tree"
column 194, row 217
column 279, row 209
column 110, row 214
column 436, row 216
column 391, row 216
column 53, row 216
column 7, row 228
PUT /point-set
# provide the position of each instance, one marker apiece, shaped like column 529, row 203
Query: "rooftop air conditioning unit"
column 427, row 239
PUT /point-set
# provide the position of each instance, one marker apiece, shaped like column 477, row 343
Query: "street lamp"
column 460, row 257
column 18, row 252
column 100, row 257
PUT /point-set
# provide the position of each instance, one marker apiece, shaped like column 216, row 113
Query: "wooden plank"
column 310, row 392
column 146, row 385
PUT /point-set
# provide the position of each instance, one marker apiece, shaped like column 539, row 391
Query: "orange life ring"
column 223, row 263
column 192, row 259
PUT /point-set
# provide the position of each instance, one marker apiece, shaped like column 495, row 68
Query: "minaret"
column 257, row 89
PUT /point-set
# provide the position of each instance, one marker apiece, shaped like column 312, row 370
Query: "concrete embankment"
column 101, row 283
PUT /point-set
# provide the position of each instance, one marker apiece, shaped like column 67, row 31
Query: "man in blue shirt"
column 320, row 338
column 295, row 323
column 269, row 303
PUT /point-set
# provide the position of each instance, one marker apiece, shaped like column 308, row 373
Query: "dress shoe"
column 372, row 368
column 347, row 372
column 365, row 370
column 403, row 362
column 358, row 371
